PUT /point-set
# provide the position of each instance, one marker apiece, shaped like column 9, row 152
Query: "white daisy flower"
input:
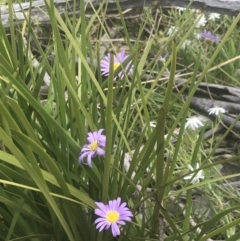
column 172, row 30
column 216, row 111
column 201, row 22
column 213, row 16
column 198, row 35
column 180, row 9
column 153, row 124
column 195, row 177
column 185, row 43
column 193, row 123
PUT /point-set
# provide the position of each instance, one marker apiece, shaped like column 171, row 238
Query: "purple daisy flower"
column 96, row 141
column 207, row 35
column 111, row 215
column 117, row 61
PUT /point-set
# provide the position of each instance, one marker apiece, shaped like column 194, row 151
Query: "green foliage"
column 45, row 194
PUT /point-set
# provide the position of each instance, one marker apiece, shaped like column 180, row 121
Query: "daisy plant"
column 118, row 59
column 193, row 123
column 195, row 178
column 216, row 111
column 112, row 215
column 51, row 185
column 207, row 35
column 96, row 143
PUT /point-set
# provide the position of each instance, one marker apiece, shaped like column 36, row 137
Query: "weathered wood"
column 214, row 95
column 202, row 106
column 39, row 12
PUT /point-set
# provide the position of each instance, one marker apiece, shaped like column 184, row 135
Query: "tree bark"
column 39, row 14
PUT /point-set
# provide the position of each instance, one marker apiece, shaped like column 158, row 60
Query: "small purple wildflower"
column 96, row 141
column 117, row 61
column 207, row 35
column 111, row 215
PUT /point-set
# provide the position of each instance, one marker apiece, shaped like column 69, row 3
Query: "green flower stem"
column 108, row 151
column 186, row 224
column 160, row 130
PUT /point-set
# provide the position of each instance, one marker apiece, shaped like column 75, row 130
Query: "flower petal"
column 115, row 230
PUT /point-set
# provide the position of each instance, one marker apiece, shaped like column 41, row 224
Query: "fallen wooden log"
column 214, row 95
column 203, row 105
column 37, row 11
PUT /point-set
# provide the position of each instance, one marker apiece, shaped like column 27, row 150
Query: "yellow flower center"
column 112, row 216
column 115, row 66
column 93, row 146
